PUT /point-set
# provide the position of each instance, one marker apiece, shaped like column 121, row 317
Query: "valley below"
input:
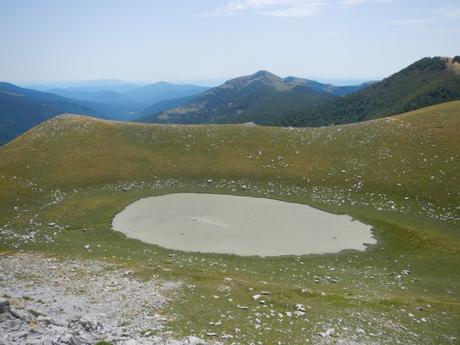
column 62, row 265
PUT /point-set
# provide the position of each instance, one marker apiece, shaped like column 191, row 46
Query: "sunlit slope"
column 62, row 183
column 408, row 158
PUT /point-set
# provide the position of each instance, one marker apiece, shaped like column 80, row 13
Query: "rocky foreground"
column 50, row 302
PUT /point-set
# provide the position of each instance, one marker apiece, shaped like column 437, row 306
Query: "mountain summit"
column 262, row 97
column 262, row 77
column 265, row 98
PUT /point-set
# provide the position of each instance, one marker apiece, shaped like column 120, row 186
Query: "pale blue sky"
column 152, row 40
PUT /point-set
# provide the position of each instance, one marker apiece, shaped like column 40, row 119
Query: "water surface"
column 239, row 225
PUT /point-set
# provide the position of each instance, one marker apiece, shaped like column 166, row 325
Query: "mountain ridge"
column 426, row 82
column 21, row 109
column 262, row 96
column 266, row 98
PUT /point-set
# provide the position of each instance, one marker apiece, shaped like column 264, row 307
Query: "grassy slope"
column 399, row 174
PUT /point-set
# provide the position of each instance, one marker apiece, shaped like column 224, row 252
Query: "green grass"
column 400, row 175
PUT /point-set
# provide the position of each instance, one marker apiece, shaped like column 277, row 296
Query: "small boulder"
column 131, row 342
column 4, row 306
column 328, row 333
column 88, row 323
column 300, row 307
column 195, row 341
column 70, row 339
column 360, row 331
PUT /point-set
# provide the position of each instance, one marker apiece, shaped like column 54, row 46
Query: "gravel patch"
column 75, row 302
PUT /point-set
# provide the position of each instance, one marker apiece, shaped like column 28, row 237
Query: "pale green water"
column 239, row 225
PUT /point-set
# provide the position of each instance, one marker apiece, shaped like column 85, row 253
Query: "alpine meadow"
column 229, row 172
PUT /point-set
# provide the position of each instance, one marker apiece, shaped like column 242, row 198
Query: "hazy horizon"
column 202, row 82
column 201, row 41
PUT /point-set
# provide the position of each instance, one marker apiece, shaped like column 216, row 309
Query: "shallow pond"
column 215, row 223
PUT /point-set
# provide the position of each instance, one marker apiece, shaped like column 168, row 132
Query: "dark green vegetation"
column 21, row 109
column 162, row 106
column 427, row 82
column 266, row 99
column 399, row 174
column 332, row 89
column 263, row 98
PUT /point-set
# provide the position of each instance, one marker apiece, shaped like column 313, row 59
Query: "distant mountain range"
column 87, row 85
column 261, row 97
column 267, row 99
column 140, row 95
column 22, row 108
column 128, row 101
column 162, row 91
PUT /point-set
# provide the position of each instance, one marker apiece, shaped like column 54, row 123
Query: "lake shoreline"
column 255, row 226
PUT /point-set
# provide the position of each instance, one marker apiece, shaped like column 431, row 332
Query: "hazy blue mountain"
column 21, row 109
column 128, row 104
column 162, row 106
column 153, row 93
column 106, row 96
column 87, row 86
column 110, row 104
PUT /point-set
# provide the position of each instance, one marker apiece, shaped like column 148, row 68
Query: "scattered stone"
column 195, row 341
column 328, row 333
column 75, row 302
column 360, row 332
column 300, row 307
